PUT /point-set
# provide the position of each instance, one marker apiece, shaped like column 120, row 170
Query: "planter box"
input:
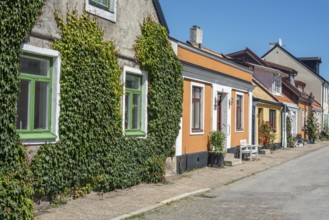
column 215, row 160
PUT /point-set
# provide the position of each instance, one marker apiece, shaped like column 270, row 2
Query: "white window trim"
column 144, row 118
column 275, row 78
column 202, row 108
column 108, row 15
column 242, row 111
column 55, row 108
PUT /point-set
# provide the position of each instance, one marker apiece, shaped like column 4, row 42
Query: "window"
column 133, row 102
column 103, row 8
column 104, row 4
column 273, row 120
column 197, row 99
column 37, row 104
column 239, row 112
column 196, row 109
column 277, row 85
column 300, row 88
column 135, row 117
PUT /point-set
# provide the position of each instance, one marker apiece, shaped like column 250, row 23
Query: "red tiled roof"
column 283, row 98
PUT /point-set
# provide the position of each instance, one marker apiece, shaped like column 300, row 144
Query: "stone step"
column 231, row 161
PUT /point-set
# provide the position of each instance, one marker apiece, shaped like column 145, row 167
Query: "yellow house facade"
column 267, row 109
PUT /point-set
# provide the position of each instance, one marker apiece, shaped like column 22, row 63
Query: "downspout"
column 322, row 104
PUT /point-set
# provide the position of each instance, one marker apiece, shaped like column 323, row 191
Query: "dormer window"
column 300, row 85
column 277, row 85
column 300, row 88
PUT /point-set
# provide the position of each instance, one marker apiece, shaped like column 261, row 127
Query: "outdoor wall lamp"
column 230, row 101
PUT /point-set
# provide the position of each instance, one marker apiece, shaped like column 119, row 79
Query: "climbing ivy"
column 93, row 150
column 290, row 141
column 311, row 127
column 16, row 20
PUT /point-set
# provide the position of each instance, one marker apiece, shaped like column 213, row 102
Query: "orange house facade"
column 217, row 96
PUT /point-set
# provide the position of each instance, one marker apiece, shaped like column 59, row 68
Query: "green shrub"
column 311, row 128
column 266, row 136
column 290, row 140
column 217, row 141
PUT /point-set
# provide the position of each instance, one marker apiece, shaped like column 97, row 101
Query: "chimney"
column 280, row 42
column 271, row 45
column 196, row 35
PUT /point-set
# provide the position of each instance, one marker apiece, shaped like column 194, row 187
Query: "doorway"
column 260, row 122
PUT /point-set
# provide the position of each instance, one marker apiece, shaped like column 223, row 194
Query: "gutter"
column 267, row 102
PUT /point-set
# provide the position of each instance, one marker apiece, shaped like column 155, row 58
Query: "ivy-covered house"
column 217, row 96
column 93, row 91
column 38, row 103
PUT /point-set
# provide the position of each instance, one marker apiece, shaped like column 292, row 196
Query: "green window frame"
column 133, row 105
column 33, row 105
column 103, row 4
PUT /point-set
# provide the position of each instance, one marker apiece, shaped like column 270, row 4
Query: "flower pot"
column 216, row 160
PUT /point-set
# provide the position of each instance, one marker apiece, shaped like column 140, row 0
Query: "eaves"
column 203, row 74
column 212, row 56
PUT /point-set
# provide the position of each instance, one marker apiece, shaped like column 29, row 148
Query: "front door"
column 219, row 111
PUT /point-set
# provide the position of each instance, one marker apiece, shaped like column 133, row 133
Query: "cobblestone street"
column 124, row 203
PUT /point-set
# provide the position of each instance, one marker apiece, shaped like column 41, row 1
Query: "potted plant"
column 299, row 139
column 218, row 151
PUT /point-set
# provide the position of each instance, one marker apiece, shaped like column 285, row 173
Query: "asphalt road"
column 298, row 189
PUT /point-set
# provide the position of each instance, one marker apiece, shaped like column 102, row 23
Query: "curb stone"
column 162, row 203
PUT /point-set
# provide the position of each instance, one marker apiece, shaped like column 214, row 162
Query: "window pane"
column 136, row 112
column 239, row 112
column 41, row 105
column 23, row 105
column 34, row 66
column 196, row 92
column 127, row 110
column 133, row 82
column 104, row 2
column 196, row 115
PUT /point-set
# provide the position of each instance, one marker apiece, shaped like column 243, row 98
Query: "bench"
column 248, row 149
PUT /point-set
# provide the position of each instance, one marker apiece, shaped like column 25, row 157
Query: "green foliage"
column 290, row 141
column 165, row 95
column 325, row 132
column 92, row 152
column 217, row 140
column 15, row 194
column 311, row 128
column 16, row 20
column 266, row 136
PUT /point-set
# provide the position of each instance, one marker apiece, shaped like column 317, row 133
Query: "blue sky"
column 229, row 26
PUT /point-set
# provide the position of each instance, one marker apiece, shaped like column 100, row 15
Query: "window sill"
column 37, row 136
column 197, row 132
column 135, row 134
column 239, row 131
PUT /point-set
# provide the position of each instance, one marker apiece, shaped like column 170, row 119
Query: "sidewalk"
column 138, row 199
